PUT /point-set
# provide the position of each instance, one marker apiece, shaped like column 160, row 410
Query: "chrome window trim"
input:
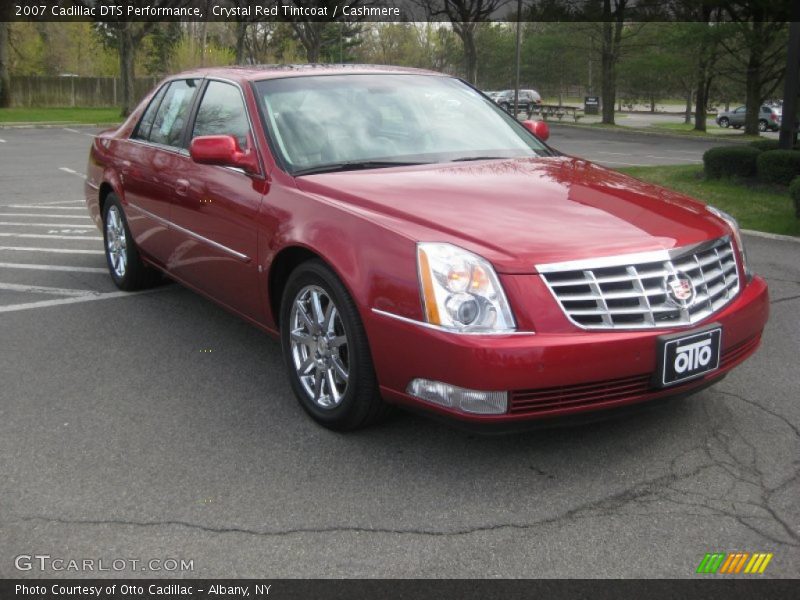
column 185, row 151
column 197, row 236
column 391, row 315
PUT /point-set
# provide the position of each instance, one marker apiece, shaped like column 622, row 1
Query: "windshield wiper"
column 468, row 158
column 355, row 165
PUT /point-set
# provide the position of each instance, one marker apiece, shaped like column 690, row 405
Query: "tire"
column 125, row 265
column 326, row 351
column 762, row 125
column 737, row 126
column 505, row 106
column 724, row 122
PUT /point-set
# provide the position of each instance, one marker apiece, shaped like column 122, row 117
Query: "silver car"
column 769, row 118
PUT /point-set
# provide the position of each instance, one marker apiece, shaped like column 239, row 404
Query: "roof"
column 257, row 72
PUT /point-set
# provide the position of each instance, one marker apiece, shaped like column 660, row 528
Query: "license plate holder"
column 688, row 355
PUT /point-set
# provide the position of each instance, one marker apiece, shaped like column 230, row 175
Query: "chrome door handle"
column 182, row 187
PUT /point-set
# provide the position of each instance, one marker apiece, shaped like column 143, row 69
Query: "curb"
column 772, row 236
column 637, row 131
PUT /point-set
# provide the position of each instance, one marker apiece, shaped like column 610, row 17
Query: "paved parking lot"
column 159, row 426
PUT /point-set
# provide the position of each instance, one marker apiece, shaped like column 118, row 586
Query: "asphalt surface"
column 159, row 426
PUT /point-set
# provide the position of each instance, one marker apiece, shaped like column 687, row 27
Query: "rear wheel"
column 762, row 125
column 125, row 265
column 724, row 122
column 326, row 351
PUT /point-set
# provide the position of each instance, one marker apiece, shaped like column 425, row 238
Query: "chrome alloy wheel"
column 319, row 347
column 116, row 242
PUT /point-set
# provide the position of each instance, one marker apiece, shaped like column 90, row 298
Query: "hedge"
column 778, row 166
column 725, row 161
column 794, row 192
column 765, row 145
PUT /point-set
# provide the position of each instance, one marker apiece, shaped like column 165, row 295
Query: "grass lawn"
column 712, row 129
column 73, row 116
column 755, row 206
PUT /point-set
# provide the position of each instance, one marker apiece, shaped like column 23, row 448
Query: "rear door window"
column 170, row 120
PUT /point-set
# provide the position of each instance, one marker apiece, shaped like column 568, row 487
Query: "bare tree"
column 465, row 16
column 313, row 34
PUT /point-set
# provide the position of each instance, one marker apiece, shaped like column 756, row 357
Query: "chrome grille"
column 630, row 291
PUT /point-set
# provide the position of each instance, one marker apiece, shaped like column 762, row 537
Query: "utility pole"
column 791, row 87
column 519, row 47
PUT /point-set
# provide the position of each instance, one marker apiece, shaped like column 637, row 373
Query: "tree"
column 613, row 22
column 465, row 17
column 5, row 78
column 125, row 37
column 314, row 34
column 760, row 35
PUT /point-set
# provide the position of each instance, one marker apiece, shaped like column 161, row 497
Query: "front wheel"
column 724, row 122
column 326, row 351
column 762, row 125
column 126, row 267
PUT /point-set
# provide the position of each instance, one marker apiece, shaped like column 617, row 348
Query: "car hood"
column 519, row 213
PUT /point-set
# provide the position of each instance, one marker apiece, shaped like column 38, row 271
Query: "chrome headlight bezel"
column 460, row 291
column 737, row 236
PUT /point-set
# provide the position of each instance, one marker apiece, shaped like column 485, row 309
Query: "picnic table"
column 556, row 110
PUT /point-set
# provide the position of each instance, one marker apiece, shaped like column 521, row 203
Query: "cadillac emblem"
column 680, row 289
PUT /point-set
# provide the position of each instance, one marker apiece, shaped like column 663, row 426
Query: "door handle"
column 182, row 187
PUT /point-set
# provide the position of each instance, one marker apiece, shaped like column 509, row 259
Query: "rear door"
column 149, row 167
column 214, row 218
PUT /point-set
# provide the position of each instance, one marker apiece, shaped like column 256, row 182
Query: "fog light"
column 451, row 396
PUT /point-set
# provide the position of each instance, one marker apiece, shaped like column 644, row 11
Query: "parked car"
column 527, row 100
column 402, row 259
column 769, row 118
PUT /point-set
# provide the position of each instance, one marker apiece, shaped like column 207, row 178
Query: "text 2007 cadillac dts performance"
column 413, row 244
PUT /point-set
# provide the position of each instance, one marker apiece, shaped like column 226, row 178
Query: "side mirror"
column 222, row 150
column 538, row 128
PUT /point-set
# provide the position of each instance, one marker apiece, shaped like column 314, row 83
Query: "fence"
column 42, row 91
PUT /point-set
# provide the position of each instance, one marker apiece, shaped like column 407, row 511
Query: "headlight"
column 737, row 235
column 461, row 291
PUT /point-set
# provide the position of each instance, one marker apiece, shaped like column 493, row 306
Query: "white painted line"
column 40, row 289
column 2, row 141
column 44, row 236
column 76, row 225
column 34, row 267
column 74, row 300
column 53, row 250
column 85, row 217
column 53, row 203
column 91, row 135
column 38, row 207
column 71, row 172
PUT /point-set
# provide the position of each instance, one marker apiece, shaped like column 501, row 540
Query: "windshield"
column 333, row 122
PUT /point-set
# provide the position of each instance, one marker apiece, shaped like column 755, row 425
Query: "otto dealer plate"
column 684, row 357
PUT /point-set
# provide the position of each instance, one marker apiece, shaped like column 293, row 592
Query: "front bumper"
column 552, row 374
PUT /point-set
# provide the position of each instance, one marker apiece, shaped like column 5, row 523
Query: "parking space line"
column 86, row 217
column 75, row 225
column 73, row 300
column 627, row 164
column 47, row 207
column 71, row 172
column 41, row 289
column 36, row 267
column 52, row 203
column 91, row 135
column 53, row 250
column 2, row 141
column 48, row 236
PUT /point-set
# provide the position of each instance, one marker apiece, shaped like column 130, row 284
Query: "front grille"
column 615, row 391
column 630, row 292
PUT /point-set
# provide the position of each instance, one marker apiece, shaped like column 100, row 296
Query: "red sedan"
column 413, row 244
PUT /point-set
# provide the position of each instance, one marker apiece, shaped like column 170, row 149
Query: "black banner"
column 705, row 587
column 369, row 10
